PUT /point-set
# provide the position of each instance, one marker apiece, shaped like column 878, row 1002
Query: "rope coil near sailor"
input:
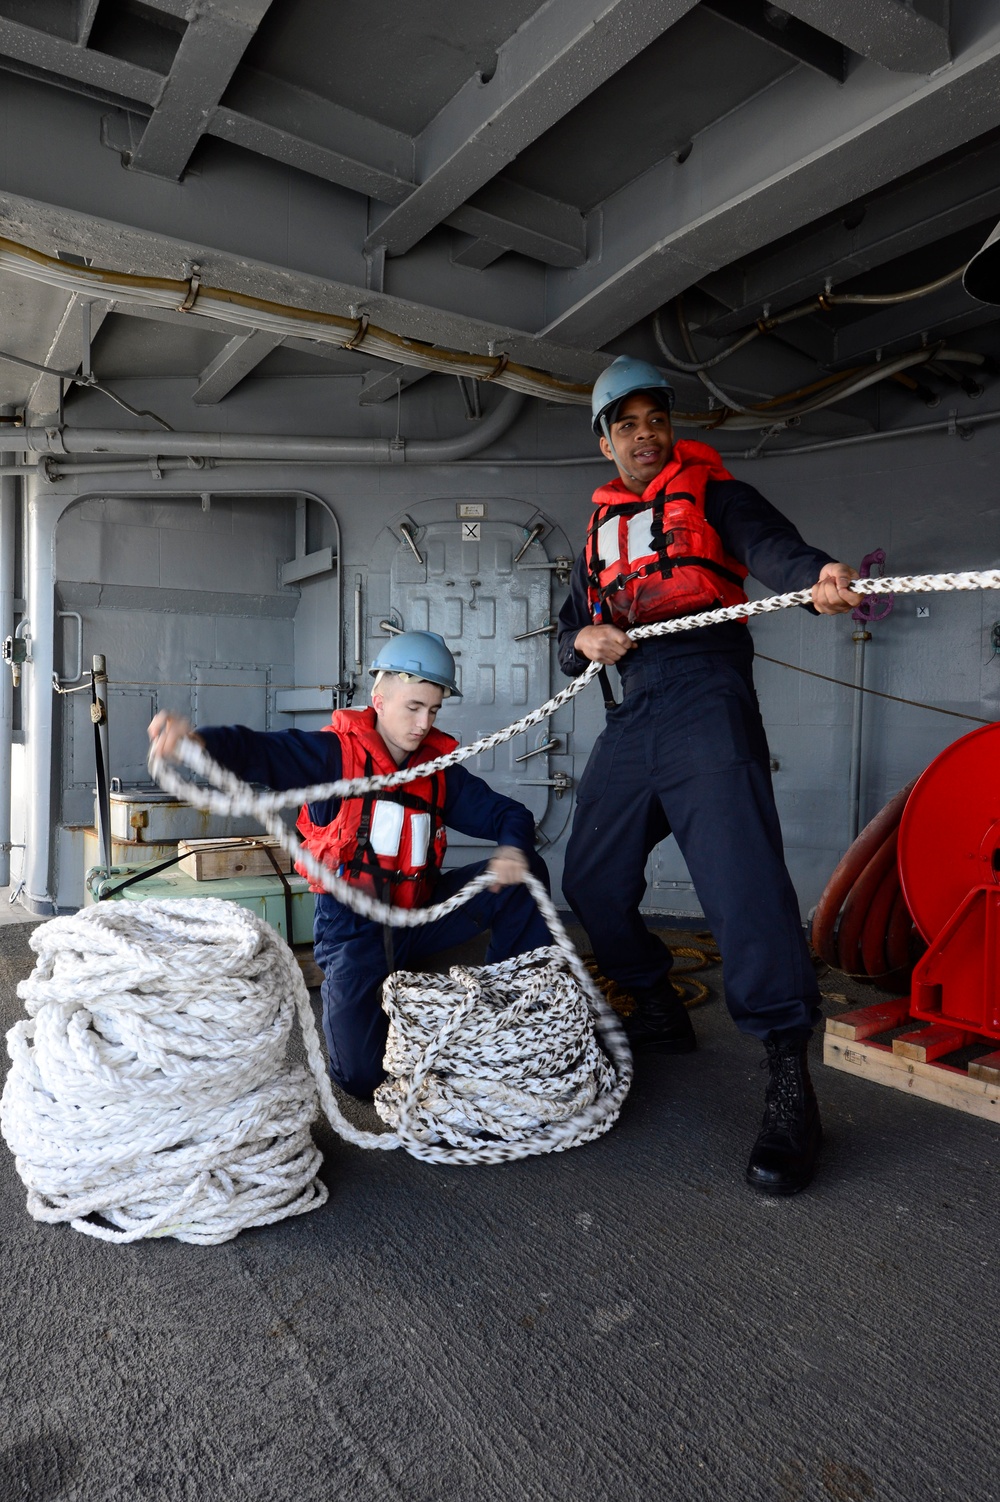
column 149, row 1084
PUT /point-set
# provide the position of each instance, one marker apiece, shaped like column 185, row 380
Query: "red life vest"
column 389, row 843
column 655, row 556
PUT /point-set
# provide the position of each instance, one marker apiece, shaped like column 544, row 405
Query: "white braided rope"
column 229, row 795
column 149, row 1085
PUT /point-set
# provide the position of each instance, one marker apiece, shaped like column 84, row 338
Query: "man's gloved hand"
column 831, row 594
column 508, row 866
column 167, row 730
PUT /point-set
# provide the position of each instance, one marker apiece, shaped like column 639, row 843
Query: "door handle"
column 548, row 629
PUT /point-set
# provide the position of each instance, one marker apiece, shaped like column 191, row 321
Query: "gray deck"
column 624, row 1322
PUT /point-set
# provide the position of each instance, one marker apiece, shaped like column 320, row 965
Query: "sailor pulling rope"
column 150, row 1085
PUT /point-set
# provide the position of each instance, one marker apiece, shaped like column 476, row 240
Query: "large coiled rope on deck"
column 150, row 1086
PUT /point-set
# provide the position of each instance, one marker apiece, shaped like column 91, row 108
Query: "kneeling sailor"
column 389, row 843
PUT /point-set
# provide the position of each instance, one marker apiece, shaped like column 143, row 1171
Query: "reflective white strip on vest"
column 607, row 541
column 387, row 827
column 640, row 535
column 420, row 835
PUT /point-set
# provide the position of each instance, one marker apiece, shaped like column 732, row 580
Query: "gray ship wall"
column 178, row 582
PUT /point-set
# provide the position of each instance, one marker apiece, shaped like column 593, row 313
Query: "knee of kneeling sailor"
column 360, row 1081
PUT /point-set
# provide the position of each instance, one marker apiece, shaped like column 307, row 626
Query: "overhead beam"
column 65, row 352
column 284, row 123
column 86, row 15
column 290, row 124
column 54, row 54
column 218, row 33
column 293, row 125
column 677, row 223
column 559, row 56
column 307, row 255
column 949, row 311
column 887, row 32
column 476, row 254
column 947, row 200
column 512, row 217
column 802, row 43
column 381, row 385
column 233, row 362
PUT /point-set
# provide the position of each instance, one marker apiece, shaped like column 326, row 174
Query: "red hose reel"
column 949, row 869
column 919, row 891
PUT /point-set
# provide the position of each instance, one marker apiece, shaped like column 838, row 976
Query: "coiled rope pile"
column 150, row 1085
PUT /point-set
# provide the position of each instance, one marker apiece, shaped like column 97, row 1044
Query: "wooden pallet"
column 910, row 1062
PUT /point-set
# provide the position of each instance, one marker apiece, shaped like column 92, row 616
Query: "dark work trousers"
column 350, row 950
column 685, row 751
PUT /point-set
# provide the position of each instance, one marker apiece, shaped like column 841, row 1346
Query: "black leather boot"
column 783, row 1159
column 660, row 1021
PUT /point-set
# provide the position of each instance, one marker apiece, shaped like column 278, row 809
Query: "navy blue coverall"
column 685, row 751
column 350, row 949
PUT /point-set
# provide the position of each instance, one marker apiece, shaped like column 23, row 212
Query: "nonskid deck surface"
column 624, row 1322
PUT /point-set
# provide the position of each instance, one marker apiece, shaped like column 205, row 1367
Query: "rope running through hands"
column 149, row 1085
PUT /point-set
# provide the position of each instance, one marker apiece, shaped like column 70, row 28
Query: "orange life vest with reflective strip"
column 389, row 843
column 655, row 556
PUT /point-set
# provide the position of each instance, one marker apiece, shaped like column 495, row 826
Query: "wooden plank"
column 214, row 860
column 939, row 1083
column 865, row 1022
column 925, row 1044
column 987, row 1068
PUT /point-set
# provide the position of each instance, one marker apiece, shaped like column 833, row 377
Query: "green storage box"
column 263, row 895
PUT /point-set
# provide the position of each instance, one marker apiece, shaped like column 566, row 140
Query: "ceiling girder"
column 277, row 120
column 214, row 41
column 476, row 254
column 309, row 256
column 888, row 32
column 235, row 360
column 793, row 37
column 558, row 57
column 382, row 385
column 946, row 200
column 512, row 217
column 65, row 352
column 85, row 17
column 53, row 54
column 677, row 223
column 948, row 311
column 293, row 125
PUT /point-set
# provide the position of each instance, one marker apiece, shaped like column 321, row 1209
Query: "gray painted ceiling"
column 521, row 180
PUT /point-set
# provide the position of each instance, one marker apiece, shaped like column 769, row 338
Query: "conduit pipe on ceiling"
column 246, row 312
column 8, row 534
column 296, row 450
column 952, row 424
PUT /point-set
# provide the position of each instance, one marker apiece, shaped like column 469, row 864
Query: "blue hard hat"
column 419, row 654
column 623, row 377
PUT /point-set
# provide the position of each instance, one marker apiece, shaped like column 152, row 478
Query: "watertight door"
column 466, row 585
